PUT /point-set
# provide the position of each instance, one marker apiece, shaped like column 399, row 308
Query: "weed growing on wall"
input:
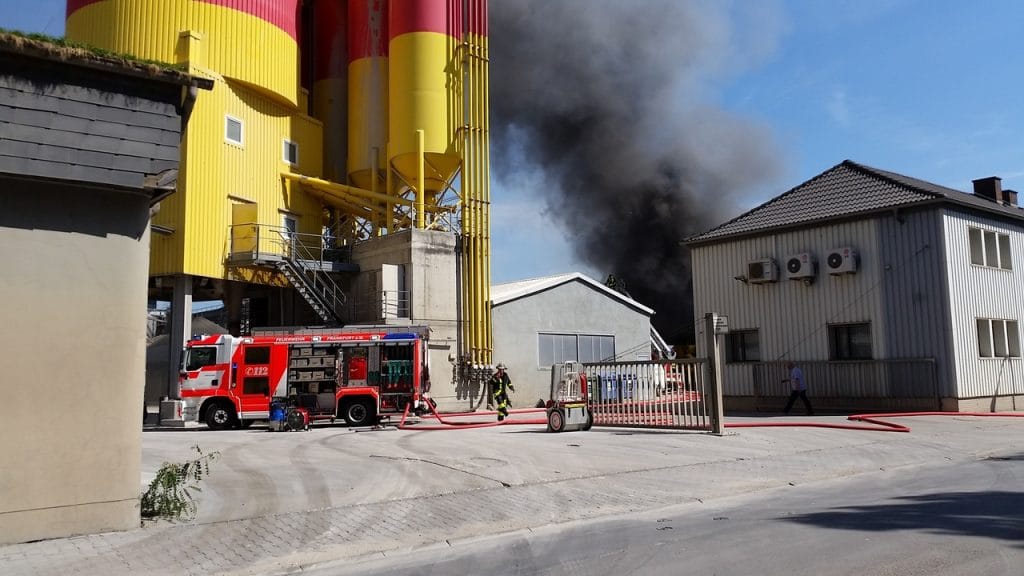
column 170, row 494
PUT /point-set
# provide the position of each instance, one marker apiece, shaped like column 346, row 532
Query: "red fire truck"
column 359, row 376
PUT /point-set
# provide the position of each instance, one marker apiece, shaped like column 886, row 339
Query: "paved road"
column 954, row 519
column 278, row 503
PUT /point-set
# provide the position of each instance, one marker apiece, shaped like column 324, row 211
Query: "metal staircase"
column 317, row 288
column 300, row 258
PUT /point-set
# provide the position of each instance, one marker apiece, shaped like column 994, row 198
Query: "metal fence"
column 885, row 383
column 664, row 394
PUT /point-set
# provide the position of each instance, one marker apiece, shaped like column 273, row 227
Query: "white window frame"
column 998, row 338
column 228, row 118
column 570, row 342
column 989, row 248
column 287, row 144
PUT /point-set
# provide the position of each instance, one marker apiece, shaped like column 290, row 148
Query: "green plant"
column 170, row 494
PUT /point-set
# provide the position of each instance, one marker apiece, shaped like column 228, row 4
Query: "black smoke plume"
column 608, row 99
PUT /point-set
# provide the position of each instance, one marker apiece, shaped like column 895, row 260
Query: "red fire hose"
column 448, row 425
column 879, row 425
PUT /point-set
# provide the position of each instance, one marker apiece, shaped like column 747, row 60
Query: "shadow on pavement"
column 986, row 514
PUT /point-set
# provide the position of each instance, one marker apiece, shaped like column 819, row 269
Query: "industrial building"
column 890, row 292
column 568, row 317
column 337, row 172
column 89, row 150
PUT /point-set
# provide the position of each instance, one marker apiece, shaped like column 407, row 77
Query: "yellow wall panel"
column 217, row 174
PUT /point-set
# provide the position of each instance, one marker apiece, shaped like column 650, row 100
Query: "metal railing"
column 380, row 306
column 661, row 394
column 263, row 242
column 300, row 257
column 888, row 381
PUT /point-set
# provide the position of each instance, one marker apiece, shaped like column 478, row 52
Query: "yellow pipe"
column 421, row 181
column 328, row 185
column 373, row 187
column 486, row 175
column 389, row 184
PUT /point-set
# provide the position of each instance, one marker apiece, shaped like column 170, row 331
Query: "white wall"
column 791, row 317
column 982, row 292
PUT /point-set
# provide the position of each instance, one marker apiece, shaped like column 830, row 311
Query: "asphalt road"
column 953, row 519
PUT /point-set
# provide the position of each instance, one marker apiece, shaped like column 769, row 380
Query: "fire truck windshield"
column 200, row 356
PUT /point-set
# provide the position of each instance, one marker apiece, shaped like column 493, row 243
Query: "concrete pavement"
column 278, row 502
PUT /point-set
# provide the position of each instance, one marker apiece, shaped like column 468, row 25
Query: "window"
column 290, row 152
column 256, row 385
column 596, row 348
column 233, row 132
column 200, row 356
column 742, row 346
column 998, row 338
column 990, row 249
column 555, row 348
column 257, row 355
column 849, row 341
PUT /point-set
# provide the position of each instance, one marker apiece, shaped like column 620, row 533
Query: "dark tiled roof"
column 845, row 190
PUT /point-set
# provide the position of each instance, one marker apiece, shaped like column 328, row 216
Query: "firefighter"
column 500, row 385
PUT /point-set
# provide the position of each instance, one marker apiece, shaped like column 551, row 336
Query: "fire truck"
column 229, row 381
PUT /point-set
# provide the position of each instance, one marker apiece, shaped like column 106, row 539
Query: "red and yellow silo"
column 367, row 93
column 329, row 87
column 424, row 92
column 252, row 41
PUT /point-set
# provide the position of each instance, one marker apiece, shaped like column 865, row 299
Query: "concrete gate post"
column 714, row 368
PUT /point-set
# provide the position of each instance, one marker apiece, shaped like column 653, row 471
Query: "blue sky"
column 928, row 88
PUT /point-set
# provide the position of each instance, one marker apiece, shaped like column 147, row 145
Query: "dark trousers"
column 801, row 394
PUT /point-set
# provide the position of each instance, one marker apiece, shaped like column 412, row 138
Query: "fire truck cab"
column 229, row 381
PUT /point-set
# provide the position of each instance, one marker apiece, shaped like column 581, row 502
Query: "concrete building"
column 88, row 147
column 541, row 321
column 892, row 292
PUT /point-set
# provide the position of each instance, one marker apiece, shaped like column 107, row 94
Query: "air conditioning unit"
column 801, row 266
column 762, row 271
column 841, row 261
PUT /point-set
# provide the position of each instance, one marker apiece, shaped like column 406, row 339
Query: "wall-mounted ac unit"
column 842, row 261
column 801, row 266
column 762, row 271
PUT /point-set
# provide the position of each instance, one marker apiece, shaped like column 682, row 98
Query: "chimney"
column 1010, row 197
column 990, row 188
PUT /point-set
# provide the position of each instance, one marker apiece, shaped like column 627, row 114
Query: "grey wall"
column 76, row 146
column 570, row 308
column 428, row 259
column 73, row 338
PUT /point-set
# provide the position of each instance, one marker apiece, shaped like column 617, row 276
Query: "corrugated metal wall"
column 912, row 258
column 981, row 292
column 244, row 42
column 791, row 317
column 221, row 173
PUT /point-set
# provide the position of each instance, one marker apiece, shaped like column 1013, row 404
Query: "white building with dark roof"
column 892, row 292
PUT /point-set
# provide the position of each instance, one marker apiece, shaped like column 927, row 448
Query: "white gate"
column 661, row 394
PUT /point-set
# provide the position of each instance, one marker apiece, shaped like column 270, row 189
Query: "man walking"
column 500, row 385
column 798, row 387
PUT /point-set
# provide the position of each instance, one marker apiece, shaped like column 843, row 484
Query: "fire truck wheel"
column 220, row 416
column 359, row 413
column 556, row 421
